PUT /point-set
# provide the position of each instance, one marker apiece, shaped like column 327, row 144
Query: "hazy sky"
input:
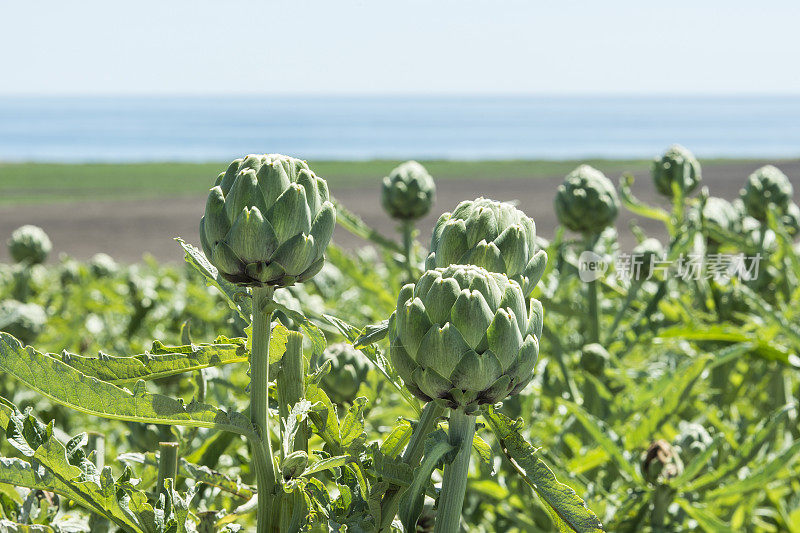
column 398, row 46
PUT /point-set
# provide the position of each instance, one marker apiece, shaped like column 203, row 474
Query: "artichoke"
column 720, row 217
column 408, row 192
column 586, row 202
column 493, row 235
column 23, row 321
column 462, row 336
column 349, row 368
column 294, row 464
column 594, row 359
column 267, row 222
column 661, row 463
column 692, row 440
column 646, row 253
column 29, row 244
column 677, row 165
column 766, row 187
column 103, row 265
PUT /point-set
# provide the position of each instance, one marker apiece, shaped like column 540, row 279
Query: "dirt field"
column 129, row 229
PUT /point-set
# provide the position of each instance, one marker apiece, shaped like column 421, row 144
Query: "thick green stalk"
column 454, row 481
column 411, row 456
column 291, row 389
column 632, row 291
column 592, row 300
column 291, row 386
column 662, row 498
column 97, row 444
column 407, row 228
column 167, row 469
column 259, row 408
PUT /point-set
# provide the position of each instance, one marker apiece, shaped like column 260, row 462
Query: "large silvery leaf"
column 236, row 296
column 67, row 386
column 567, row 509
column 162, row 361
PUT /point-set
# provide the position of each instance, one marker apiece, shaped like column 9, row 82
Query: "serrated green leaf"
column 568, row 510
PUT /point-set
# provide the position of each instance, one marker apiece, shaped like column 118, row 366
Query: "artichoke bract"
column 408, row 192
column 267, row 222
column 586, row 202
column 766, row 188
column 463, row 336
column 29, row 244
column 678, row 165
column 791, row 219
column 349, row 368
column 494, row 235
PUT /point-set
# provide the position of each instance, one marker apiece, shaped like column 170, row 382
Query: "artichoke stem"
column 629, row 298
column 291, row 385
column 167, row 469
column 407, row 228
column 662, row 498
column 593, row 329
column 259, row 407
column 454, row 481
column 411, row 456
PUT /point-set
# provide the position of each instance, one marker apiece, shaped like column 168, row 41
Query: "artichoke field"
column 478, row 378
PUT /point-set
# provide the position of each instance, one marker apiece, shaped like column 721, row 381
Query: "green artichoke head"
column 23, row 321
column 594, row 359
column 349, row 368
column 408, row 192
column 267, row 222
column 294, row 464
column 678, row 165
column 463, row 336
column 646, row 253
column 661, row 463
column 692, row 440
column 494, row 235
column 766, row 188
column 103, row 265
column 29, row 244
column 720, row 217
column 586, row 202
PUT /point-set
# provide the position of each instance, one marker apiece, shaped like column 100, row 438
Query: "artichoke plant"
column 677, row 166
column 766, row 188
column 267, row 222
column 791, row 219
column 24, row 321
column 493, row 235
column 349, row 368
column 720, row 217
column 646, row 253
column 586, row 202
column 29, row 244
column 463, row 336
column 692, row 440
column 408, row 192
column 103, row 265
column 594, row 358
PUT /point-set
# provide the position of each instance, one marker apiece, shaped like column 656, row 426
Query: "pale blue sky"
column 398, row 46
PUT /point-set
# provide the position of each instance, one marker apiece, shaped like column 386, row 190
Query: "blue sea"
column 115, row 129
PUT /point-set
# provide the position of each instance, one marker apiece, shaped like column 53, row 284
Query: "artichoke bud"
column 692, row 440
column 294, row 464
column 103, row 265
column 720, row 217
column 268, row 221
column 493, row 235
column 661, row 463
column 677, row 166
column 22, row 320
column 463, row 336
column 408, row 192
column 29, row 244
column 586, row 202
column 594, row 359
column 766, row 188
column 646, row 253
column 348, row 370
